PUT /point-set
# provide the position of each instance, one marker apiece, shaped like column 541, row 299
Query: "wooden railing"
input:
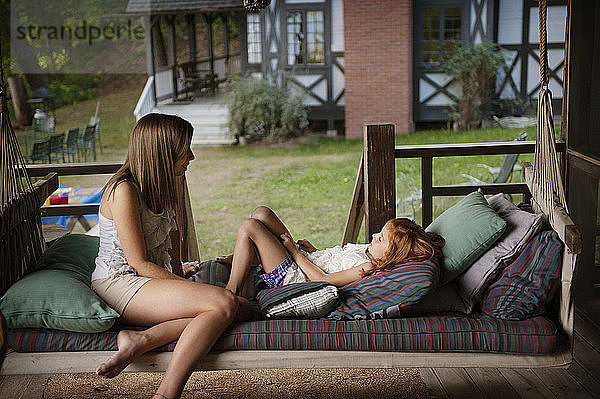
column 375, row 191
column 73, row 169
column 146, row 103
column 374, row 196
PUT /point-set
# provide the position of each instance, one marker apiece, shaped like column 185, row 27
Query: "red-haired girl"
column 263, row 239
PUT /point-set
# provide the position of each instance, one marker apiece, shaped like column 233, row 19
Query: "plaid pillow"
column 528, row 283
column 521, row 228
column 373, row 296
column 310, row 300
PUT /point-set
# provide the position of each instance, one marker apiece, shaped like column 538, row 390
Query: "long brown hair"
column 408, row 242
column 157, row 141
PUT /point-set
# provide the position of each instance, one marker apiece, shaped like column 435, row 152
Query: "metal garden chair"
column 71, row 145
column 57, row 146
column 40, row 151
column 87, row 142
column 96, row 122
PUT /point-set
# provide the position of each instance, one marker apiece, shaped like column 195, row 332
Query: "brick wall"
column 378, row 64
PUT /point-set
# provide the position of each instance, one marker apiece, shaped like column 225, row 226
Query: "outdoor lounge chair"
column 504, row 172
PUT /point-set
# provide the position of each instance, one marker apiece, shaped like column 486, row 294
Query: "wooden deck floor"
column 580, row 380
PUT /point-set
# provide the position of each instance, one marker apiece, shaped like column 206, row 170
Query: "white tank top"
column 156, row 228
column 330, row 260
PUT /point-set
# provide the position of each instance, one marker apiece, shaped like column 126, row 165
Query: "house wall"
column 378, row 64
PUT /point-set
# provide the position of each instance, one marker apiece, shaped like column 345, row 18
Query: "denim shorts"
column 275, row 278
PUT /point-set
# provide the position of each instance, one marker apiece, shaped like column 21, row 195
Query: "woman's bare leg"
column 195, row 314
column 253, row 236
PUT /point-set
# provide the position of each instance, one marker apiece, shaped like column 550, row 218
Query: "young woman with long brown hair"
column 138, row 269
column 264, row 239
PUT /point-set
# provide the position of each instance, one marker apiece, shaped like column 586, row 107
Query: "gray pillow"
column 521, row 227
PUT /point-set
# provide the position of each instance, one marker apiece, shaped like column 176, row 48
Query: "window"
column 442, row 31
column 305, row 37
column 254, row 39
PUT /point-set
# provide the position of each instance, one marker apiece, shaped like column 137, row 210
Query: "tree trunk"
column 19, row 99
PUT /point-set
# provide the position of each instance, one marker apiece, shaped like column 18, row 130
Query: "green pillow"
column 58, row 295
column 469, row 227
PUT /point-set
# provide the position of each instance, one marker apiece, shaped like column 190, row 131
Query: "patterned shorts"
column 275, row 278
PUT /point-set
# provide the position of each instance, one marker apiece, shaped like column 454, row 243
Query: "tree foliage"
column 474, row 66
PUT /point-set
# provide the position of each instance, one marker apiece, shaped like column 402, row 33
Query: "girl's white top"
column 156, row 228
column 330, row 260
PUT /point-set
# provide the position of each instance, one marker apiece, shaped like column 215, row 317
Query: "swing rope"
column 21, row 240
column 546, row 173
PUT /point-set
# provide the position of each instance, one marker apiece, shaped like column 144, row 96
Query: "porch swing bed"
column 408, row 337
column 403, row 334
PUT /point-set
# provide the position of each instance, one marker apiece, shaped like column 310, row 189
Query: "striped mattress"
column 439, row 333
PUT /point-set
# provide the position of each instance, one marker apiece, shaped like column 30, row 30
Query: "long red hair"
column 408, row 242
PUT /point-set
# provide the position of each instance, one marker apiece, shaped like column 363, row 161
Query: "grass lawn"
column 307, row 181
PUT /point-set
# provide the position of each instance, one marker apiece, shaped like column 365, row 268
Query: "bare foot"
column 131, row 345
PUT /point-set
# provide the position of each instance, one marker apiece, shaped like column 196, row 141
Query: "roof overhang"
column 157, row 7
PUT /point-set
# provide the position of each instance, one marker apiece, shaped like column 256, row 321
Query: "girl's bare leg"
column 195, row 314
column 254, row 236
column 271, row 220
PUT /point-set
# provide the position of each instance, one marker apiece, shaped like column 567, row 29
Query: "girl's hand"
column 190, row 268
column 225, row 259
column 305, row 245
column 288, row 243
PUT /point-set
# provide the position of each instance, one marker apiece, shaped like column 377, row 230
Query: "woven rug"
column 250, row 384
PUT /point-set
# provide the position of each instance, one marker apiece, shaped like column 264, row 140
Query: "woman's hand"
column 289, row 243
column 305, row 245
column 190, row 268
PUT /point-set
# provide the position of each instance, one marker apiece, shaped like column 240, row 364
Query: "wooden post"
column 379, row 177
column 356, row 212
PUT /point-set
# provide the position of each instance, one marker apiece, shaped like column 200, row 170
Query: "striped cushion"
column 528, row 283
column 445, row 332
column 215, row 273
column 371, row 296
column 309, row 300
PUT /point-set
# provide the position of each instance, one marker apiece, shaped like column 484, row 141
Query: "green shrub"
column 260, row 108
column 69, row 89
column 474, row 66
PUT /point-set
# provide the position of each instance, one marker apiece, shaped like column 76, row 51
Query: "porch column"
column 225, row 19
column 172, row 53
column 209, row 38
column 191, row 21
column 240, row 20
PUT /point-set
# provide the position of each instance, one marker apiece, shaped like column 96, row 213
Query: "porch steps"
column 208, row 116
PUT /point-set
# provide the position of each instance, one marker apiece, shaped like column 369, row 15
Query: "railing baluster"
column 426, row 190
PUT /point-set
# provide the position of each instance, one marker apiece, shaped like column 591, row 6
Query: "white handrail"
column 146, row 102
